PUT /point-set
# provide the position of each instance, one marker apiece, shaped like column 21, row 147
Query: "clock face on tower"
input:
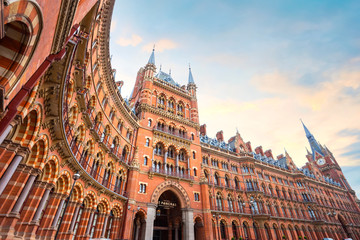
column 321, row 161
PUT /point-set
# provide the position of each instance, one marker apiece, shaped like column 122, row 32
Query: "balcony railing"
column 174, row 133
column 245, row 210
column 171, row 173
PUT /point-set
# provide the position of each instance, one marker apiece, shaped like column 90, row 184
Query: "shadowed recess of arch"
column 23, row 25
column 104, row 206
column 63, row 184
column 90, row 200
column 117, row 210
column 50, row 170
column 78, row 193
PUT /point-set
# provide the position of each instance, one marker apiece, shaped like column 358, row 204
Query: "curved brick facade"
column 147, row 168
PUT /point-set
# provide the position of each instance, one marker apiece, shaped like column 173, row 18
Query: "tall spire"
column 312, row 141
column 191, row 79
column 152, row 57
column 307, row 132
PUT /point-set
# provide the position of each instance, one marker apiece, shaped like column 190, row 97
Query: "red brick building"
column 147, row 168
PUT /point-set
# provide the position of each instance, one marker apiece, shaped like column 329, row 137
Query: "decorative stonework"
column 176, row 188
column 64, row 23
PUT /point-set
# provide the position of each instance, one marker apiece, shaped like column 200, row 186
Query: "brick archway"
column 176, row 188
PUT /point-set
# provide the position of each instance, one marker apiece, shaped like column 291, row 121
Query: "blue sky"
column 259, row 66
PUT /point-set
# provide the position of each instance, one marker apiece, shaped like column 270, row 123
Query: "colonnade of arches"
column 252, row 229
column 34, row 189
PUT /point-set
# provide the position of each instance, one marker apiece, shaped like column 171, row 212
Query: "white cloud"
column 134, row 40
column 161, row 45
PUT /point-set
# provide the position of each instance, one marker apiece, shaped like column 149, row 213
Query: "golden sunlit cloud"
column 161, row 45
column 273, row 122
column 134, row 40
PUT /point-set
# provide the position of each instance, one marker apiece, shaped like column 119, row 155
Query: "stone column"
column 5, row 133
column 58, row 212
column 9, row 172
column 177, row 164
column 41, row 205
column 75, row 216
column 188, row 219
column 89, row 223
column 165, row 158
column 151, row 213
column 24, row 194
column 153, row 153
column 105, row 226
column 137, row 229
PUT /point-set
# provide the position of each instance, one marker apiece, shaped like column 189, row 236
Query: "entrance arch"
column 176, row 188
column 169, row 214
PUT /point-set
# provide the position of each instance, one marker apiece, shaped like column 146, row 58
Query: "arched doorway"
column 168, row 219
column 139, row 226
column 199, row 229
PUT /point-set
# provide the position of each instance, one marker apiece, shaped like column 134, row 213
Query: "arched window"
column 159, row 149
column 237, row 185
column 311, row 213
column 246, row 231
column 149, row 122
column 109, row 225
column 180, row 110
column 195, row 172
column 230, row 204
column 94, row 222
column 182, row 155
column 227, row 182
column 145, row 160
column 256, row 231
column 194, row 155
column 283, row 230
column 161, row 102
column 94, row 169
column 240, row 204
column 222, row 230
column 216, row 179
column 171, row 152
column 234, row 230
column 219, row 202
column 276, row 230
column 171, row 106
column 267, row 232
column 77, row 221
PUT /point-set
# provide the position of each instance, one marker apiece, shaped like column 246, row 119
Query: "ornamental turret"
column 191, row 87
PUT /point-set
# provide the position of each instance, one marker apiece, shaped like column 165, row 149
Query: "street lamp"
column 217, row 217
column 75, row 177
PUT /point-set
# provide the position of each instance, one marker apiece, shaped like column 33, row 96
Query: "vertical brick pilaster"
column 84, row 221
column 45, row 230
column 115, row 228
column 26, row 226
column 29, row 207
column 6, row 156
column 99, row 225
column 67, row 218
